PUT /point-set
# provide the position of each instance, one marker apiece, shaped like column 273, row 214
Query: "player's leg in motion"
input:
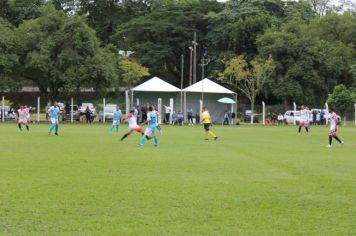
column 56, row 129
column 51, row 128
column 19, row 125
column 125, row 135
column 27, row 127
column 208, row 132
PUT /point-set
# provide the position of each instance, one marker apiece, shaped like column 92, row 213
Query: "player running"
column 116, row 120
column 333, row 128
column 304, row 120
column 132, row 125
column 22, row 119
column 53, row 112
column 151, row 127
column 206, row 120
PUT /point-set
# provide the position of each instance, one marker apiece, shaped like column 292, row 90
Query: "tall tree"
column 61, row 53
column 8, row 56
column 247, row 77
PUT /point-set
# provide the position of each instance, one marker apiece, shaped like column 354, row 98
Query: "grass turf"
column 251, row 181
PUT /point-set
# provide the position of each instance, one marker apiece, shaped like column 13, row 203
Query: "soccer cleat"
column 139, row 145
column 216, row 137
column 342, row 143
column 56, row 134
column 328, row 146
column 156, row 145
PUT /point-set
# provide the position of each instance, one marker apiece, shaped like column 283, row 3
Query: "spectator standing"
column 226, row 118
column 167, row 113
column 322, row 117
column 280, row 119
column 190, row 116
column 314, row 114
column 180, row 118
column 88, row 115
column 143, row 114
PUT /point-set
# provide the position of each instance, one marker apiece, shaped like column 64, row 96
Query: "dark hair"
column 131, row 111
column 150, row 108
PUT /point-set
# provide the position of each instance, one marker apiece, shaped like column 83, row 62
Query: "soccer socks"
column 299, row 129
column 20, row 128
column 51, row 128
column 211, row 134
column 337, row 138
column 155, row 140
column 117, row 128
column 142, row 140
column 125, row 136
column 28, row 128
column 56, row 129
column 331, row 139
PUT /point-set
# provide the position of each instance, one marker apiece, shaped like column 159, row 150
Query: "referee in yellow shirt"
column 206, row 120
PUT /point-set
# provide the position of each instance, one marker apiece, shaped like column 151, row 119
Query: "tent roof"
column 156, row 85
column 207, row 86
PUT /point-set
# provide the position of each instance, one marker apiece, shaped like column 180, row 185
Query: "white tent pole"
column 327, row 111
column 104, row 101
column 159, row 110
column 200, row 109
column 295, row 112
column 132, row 98
column 38, row 108
column 71, row 109
column 181, row 84
column 127, row 102
column 171, row 112
column 202, row 92
column 3, row 109
column 355, row 113
column 137, row 102
column 263, row 113
column 185, row 108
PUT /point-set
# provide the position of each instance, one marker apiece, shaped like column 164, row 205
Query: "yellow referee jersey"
column 206, row 119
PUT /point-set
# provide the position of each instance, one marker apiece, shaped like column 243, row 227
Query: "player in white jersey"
column 28, row 115
column 304, row 120
column 333, row 128
column 133, row 126
column 21, row 117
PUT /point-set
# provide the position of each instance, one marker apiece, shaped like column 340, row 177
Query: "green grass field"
column 252, row 181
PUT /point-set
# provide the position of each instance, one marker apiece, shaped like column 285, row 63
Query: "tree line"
column 302, row 49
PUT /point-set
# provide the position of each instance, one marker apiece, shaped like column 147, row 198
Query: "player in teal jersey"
column 53, row 112
column 151, row 127
column 116, row 120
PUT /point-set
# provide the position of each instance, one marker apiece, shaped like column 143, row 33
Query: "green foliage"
column 8, row 56
column 61, row 54
column 342, row 99
column 247, row 77
column 132, row 72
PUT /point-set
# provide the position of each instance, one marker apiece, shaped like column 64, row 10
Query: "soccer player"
column 206, row 120
column 151, row 127
column 22, row 120
column 28, row 114
column 132, row 125
column 304, row 120
column 116, row 120
column 53, row 112
column 333, row 128
column 158, row 120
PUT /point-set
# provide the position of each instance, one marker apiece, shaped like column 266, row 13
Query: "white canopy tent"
column 150, row 91
column 207, row 93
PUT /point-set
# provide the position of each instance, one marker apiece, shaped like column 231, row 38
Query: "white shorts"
column 115, row 122
column 54, row 121
column 149, row 132
column 134, row 128
column 22, row 121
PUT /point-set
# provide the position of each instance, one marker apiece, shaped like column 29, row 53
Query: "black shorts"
column 207, row 127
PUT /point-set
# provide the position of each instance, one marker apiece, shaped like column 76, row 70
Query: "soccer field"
column 251, row 181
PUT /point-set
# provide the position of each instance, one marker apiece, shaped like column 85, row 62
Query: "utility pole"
column 191, row 65
column 181, row 84
column 195, row 44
